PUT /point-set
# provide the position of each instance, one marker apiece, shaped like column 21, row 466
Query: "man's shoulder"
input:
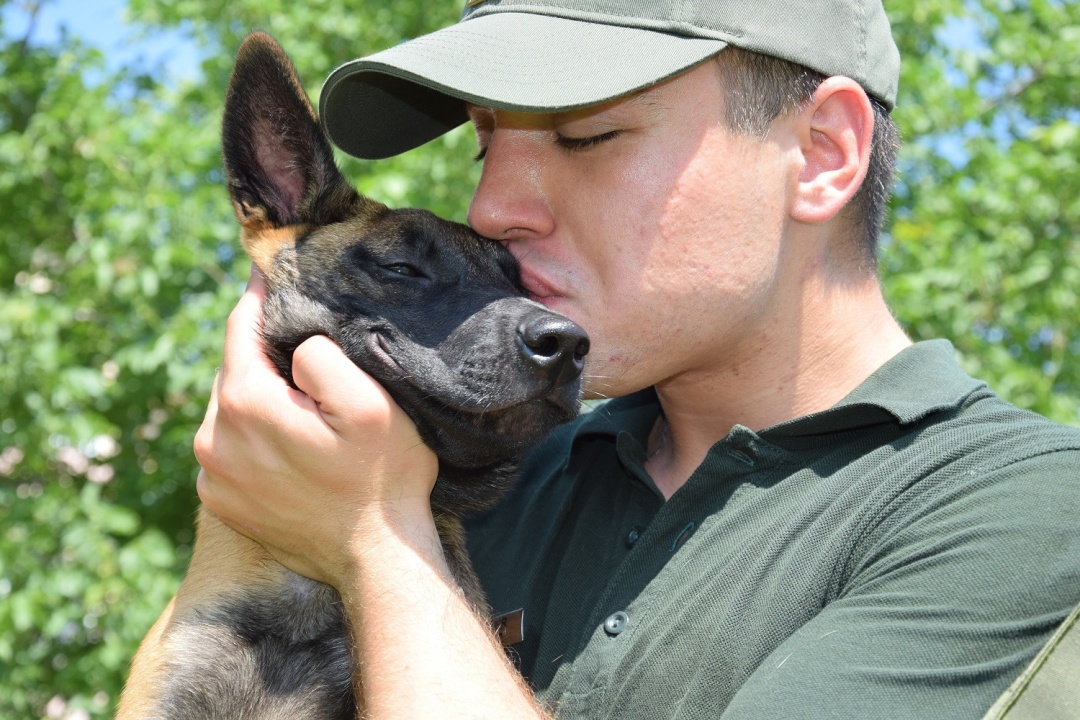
column 985, row 473
column 998, row 432
column 987, row 457
column 943, row 413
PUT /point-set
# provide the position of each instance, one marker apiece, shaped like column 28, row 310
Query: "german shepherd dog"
column 428, row 308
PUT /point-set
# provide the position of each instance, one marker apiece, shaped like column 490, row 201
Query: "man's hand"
column 307, row 474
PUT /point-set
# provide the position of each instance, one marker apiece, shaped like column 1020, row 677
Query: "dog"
column 432, row 311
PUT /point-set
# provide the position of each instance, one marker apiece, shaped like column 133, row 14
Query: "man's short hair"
column 760, row 88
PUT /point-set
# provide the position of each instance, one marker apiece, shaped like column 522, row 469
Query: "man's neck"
column 809, row 358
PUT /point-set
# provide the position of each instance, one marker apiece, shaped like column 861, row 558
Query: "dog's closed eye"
column 403, row 269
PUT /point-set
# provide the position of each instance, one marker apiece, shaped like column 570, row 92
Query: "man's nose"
column 510, row 202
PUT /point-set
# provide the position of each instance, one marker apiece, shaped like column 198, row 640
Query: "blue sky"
column 101, row 23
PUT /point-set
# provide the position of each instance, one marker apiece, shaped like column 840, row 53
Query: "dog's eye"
column 403, row 269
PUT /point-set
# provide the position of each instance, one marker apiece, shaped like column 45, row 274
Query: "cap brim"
column 401, row 98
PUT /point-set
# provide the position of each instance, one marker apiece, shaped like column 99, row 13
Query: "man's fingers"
column 257, row 282
column 204, row 436
column 243, row 345
column 249, row 385
column 338, row 387
column 215, row 390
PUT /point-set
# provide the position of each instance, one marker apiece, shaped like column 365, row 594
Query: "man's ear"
column 835, row 130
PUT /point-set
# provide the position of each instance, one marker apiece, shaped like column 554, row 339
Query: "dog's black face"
column 432, row 311
column 436, row 315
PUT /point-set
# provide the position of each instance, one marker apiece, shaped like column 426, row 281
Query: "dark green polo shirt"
column 903, row 554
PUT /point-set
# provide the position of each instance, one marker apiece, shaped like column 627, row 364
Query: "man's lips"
column 537, row 287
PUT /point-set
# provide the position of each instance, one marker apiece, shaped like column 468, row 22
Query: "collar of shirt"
column 919, row 381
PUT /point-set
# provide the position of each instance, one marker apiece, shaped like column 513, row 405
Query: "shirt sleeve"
column 950, row 597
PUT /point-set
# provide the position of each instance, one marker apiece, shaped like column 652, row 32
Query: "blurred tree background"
column 119, row 265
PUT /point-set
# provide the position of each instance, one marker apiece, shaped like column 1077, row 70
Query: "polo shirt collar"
column 920, row 380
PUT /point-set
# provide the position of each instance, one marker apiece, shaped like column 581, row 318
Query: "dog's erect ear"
column 278, row 162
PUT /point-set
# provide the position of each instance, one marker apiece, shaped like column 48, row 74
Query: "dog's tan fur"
column 222, row 563
column 263, row 242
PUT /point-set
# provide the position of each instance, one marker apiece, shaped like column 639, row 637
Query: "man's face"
column 646, row 221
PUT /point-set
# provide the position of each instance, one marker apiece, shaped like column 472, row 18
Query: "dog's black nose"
column 555, row 346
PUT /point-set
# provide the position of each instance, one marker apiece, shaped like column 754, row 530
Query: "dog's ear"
column 278, row 162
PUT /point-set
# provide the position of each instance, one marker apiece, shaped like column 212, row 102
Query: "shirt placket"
column 652, row 549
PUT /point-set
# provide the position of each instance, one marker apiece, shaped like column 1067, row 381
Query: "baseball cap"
column 546, row 56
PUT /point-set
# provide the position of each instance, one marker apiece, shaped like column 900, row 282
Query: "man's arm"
column 334, row 481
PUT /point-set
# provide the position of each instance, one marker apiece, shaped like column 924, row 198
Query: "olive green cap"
column 555, row 55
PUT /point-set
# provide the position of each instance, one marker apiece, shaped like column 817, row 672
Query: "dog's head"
column 431, row 310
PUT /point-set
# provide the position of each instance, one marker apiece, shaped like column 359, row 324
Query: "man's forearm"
column 421, row 650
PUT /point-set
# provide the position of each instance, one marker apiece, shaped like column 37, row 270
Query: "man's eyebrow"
column 643, row 99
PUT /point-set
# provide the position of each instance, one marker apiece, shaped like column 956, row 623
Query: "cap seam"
column 864, row 67
column 667, row 27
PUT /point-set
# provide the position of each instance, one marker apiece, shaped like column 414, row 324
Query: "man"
column 789, row 511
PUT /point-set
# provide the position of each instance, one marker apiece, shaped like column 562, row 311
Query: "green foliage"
column 984, row 248
column 111, row 283
column 118, row 267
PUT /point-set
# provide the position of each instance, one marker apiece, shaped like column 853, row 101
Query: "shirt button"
column 633, row 536
column 616, row 623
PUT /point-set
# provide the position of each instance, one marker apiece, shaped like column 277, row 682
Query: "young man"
column 789, row 511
